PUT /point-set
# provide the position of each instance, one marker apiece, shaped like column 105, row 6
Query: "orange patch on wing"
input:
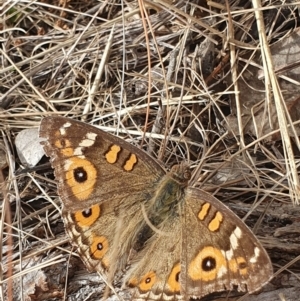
column 64, row 146
column 208, row 255
column 112, row 155
column 105, row 262
column 204, row 211
column 238, row 265
column 215, row 223
column 67, row 152
column 133, row 282
column 99, row 247
column 173, row 280
column 147, row 281
column 88, row 217
column 81, row 190
column 130, row 162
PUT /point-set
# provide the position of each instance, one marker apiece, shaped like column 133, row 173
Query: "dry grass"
column 170, row 77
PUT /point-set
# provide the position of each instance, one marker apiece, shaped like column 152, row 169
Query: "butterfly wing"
column 205, row 249
column 154, row 273
column 92, row 166
column 102, row 182
column 218, row 250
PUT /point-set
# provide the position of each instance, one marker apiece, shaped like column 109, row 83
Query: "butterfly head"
column 181, row 173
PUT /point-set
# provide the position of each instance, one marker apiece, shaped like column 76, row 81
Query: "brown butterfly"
column 121, row 207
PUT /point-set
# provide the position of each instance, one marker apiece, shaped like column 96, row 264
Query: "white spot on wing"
column 234, row 237
column 78, row 151
column 62, row 129
column 222, row 271
column 91, row 136
column 89, row 141
column 229, row 254
column 253, row 259
column 67, row 165
column 238, row 232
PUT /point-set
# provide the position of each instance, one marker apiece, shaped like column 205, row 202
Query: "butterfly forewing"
column 93, row 166
column 218, row 249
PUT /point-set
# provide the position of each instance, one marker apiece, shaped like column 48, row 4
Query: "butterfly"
column 125, row 212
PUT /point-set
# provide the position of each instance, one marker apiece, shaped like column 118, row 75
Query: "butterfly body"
column 120, row 207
